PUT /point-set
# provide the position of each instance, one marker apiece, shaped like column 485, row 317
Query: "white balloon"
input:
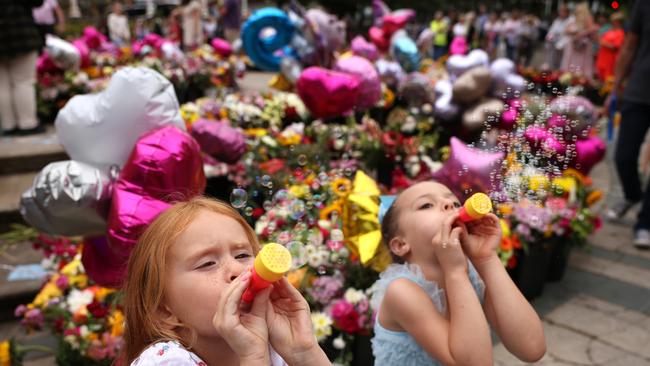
column 101, row 129
column 443, row 107
column 171, row 52
column 458, row 64
column 505, row 79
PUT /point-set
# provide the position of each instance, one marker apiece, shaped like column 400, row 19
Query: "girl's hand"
column 290, row 329
column 447, row 247
column 481, row 238
column 246, row 332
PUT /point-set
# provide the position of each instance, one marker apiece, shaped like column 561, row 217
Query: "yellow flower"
column 444, row 153
column 505, row 228
column 341, row 187
column 292, row 139
column 101, row 292
column 255, row 132
column 594, row 197
column 5, row 354
column 575, row 174
column 566, row 184
column 505, row 209
column 92, row 336
column 49, row 291
column 389, row 98
column 538, row 182
column 327, row 211
column 80, row 281
column 322, row 325
column 299, row 190
column 296, row 277
column 73, row 268
column 116, row 321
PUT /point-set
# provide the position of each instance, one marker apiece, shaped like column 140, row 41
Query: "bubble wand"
column 271, row 264
column 475, row 207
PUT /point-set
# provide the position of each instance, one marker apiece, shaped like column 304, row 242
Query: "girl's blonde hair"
column 583, row 16
column 144, row 286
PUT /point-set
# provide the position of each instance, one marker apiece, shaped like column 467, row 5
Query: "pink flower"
column 62, row 282
column 20, row 310
column 345, row 317
column 96, row 351
column 556, row 203
column 33, row 318
column 334, row 245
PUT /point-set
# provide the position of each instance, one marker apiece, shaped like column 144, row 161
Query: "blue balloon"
column 263, row 49
column 384, row 204
column 405, row 51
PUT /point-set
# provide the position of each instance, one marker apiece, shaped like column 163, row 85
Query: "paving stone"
column 619, row 271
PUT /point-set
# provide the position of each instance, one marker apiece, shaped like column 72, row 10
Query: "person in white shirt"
column 118, row 26
column 191, row 23
column 556, row 39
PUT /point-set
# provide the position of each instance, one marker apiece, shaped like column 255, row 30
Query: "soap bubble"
column 302, row 159
column 238, row 198
column 298, row 253
column 297, row 209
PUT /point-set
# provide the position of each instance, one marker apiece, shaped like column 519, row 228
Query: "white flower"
column 78, row 299
column 48, row 264
column 83, row 331
column 266, row 139
column 433, row 166
column 338, row 144
column 336, row 235
column 72, row 341
column 322, row 325
column 354, row 296
column 314, row 260
column 338, row 343
column 409, row 124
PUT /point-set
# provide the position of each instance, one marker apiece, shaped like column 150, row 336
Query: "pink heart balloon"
column 165, row 166
column 219, row 140
column 379, row 38
column 327, row 93
column 468, row 170
column 221, row 47
column 509, row 116
column 84, row 52
column 589, row 152
column 370, row 86
column 363, row 48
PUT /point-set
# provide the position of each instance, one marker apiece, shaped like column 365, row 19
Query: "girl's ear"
column 166, row 318
column 399, row 247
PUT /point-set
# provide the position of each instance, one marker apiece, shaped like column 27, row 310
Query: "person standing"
column 191, row 21
column 556, row 39
column 118, row 26
column 49, row 17
column 610, row 45
column 579, row 51
column 231, row 19
column 511, row 34
column 634, row 64
column 20, row 41
column 439, row 28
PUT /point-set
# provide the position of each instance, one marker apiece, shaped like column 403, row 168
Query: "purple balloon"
column 468, row 170
column 363, row 48
column 99, row 262
column 589, row 152
column 370, row 86
column 327, row 93
column 219, row 139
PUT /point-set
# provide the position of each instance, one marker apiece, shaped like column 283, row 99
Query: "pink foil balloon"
column 327, row 93
column 468, row 170
column 93, row 38
column 538, row 137
column 363, row 48
column 84, row 52
column 370, row 86
column 98, row 259
column 588, row 153
column 379, row 38
column 396, row 20
column 221, row 47
column 165, row 166
column 219, row 140
column 509, row 116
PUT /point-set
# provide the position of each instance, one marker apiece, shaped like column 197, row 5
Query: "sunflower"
column 594, row 197
column 341, row 187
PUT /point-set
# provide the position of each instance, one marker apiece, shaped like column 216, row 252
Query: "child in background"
column 433, row 305
column 183, row 290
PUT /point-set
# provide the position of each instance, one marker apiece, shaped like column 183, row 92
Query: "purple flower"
column 33, row 319
column 20, row 310
column 325, row 288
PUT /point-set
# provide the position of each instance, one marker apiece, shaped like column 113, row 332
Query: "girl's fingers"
column 232, row 297
column 260, row 303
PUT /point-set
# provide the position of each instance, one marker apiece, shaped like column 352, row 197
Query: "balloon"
column 405, row 51
column 262, row 51
column 62, row 53
column 171, row 52
column 68, row 198
column 363, row 48
column 370, row 85
column 538, row 138
column 472, row 85
column 101, row 129
column 327, row 29
column 290, row 69
column 578, row 110
column 468, row 170
column 84, row 52
column 425, row 39
column 165, row 166
column 443, row 106
column 458, row 64
column 93, row 38
column 221, row 47
column 476, row 116
column 219, row 140
column 509, row 116
column 588, row 153
column 390, row 72
column 304, row 50
column 327, row 93
column 505, row 79
column 379, row 38
column 98, row 260
column 379, row 9
column 417, row 89
column 396, row 20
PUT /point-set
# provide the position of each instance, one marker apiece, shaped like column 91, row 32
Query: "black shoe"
column 31, row 131
column 9, row 133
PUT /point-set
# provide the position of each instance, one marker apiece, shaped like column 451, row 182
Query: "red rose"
column 345, row 317
column 97, row 309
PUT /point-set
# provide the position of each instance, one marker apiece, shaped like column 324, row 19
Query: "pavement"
column 599, row 314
